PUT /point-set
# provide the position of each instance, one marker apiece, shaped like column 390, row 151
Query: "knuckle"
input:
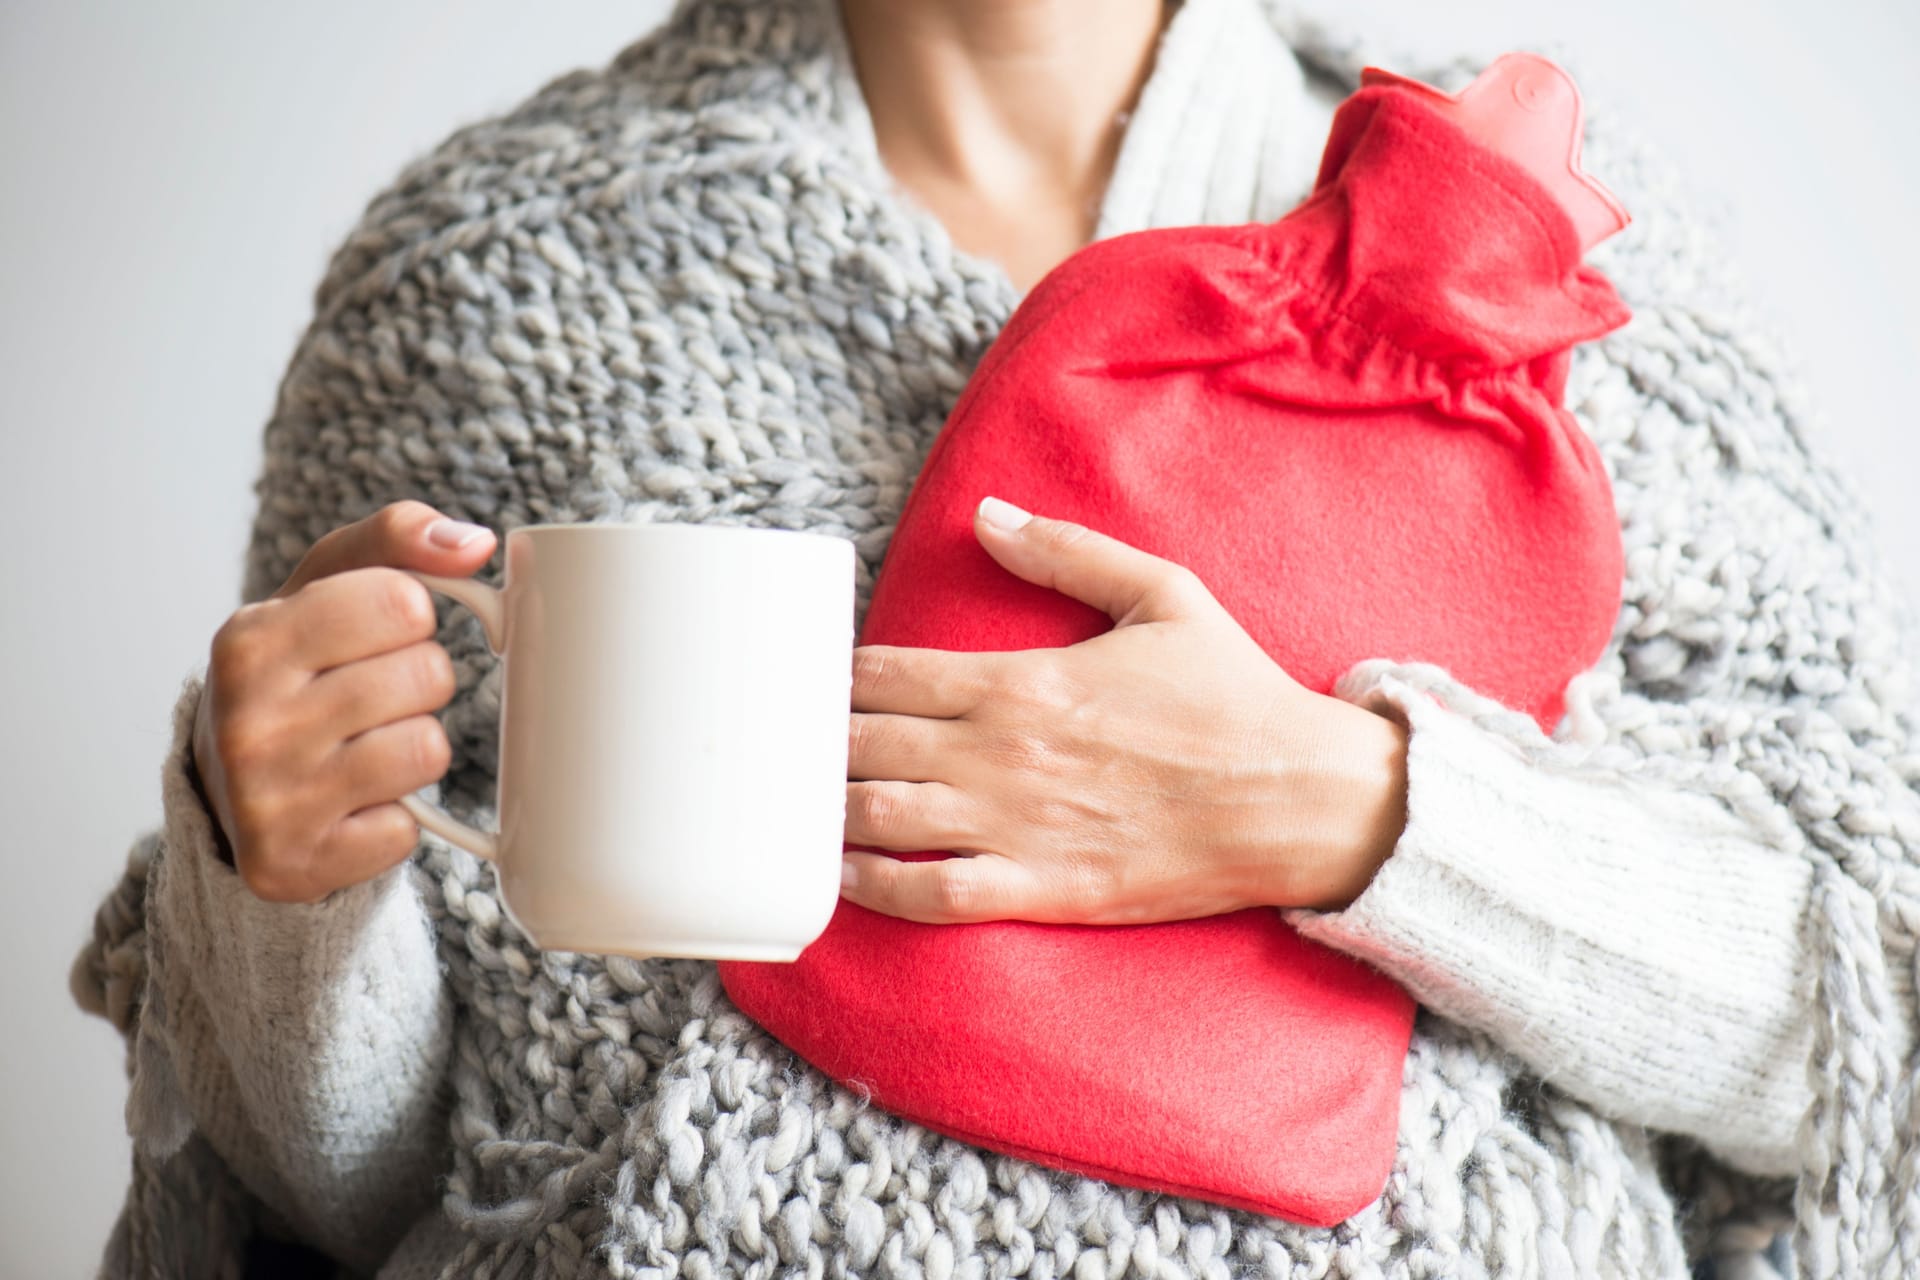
column 378, row 836
column 869, row 662
column 431, row 674
column 869, row 738
column 859, row 736
column 1043, row 811
column 381, row 836
column 954, row 894
column 243, row 742
column 407, row 601
column 878, row 809
column 1046, row 689
column 875, row 668
column 243, row 643
column 1023, row 750
column 1183, row 583
column 393, row 524
column 1084, row 891
column 1061, row 535
column 397, row 835
column 428, row 752
column 337, row 550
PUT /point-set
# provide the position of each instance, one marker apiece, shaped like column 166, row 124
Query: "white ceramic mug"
column 673, row 736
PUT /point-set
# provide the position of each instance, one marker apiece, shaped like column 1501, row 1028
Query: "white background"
column 176, row 174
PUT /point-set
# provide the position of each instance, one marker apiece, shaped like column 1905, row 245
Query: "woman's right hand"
column 318, row 712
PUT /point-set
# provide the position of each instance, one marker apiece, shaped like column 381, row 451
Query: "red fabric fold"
column 1348, row 424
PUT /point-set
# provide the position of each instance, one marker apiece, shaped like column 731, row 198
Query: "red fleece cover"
column 1349, row 424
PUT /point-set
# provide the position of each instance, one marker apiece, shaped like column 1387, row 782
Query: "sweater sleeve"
column 305, row 1043
column 1637, row 944
column 1695, row 906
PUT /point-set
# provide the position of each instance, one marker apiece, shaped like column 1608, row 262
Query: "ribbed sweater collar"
column 1226, row 129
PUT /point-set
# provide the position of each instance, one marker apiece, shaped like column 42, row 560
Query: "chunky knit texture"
column 681, row 288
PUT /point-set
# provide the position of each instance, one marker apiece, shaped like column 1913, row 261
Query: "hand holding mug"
column 318, row 712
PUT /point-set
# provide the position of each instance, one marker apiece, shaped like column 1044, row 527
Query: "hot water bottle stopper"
column 1349, row 424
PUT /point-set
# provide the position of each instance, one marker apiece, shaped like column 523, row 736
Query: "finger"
column 357, row 614
column 987, row 886
column 1127, row 584
column 389, row 762
column 899, row 748
column 937, row 683
column 366, row 842
column 358, row 696
column 401, row 535
column 910, row 816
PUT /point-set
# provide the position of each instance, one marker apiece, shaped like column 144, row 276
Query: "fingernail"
column 849, row 873
column 1003, row 515
column 453, row 534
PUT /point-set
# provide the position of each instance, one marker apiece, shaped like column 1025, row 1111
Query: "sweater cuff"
column 298, row 1037
column 220, row 958
column 222, row 847
column 1639, row 946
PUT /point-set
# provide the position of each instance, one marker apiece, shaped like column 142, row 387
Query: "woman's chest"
column 731, row 375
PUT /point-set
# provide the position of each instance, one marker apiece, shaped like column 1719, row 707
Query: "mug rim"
column 655, row 526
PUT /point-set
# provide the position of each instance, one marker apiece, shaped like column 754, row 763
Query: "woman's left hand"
column 1162, row 770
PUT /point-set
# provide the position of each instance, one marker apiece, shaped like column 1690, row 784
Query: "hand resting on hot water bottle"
column 1349, row 425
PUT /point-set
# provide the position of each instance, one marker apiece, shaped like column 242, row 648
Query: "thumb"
column 1127, row 584
column 401, row 535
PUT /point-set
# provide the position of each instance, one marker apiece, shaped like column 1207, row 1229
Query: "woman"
column 740, row 275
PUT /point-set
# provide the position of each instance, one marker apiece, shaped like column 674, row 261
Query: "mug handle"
column 486, row 604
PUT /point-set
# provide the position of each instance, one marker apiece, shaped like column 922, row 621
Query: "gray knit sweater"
column 1665, row 957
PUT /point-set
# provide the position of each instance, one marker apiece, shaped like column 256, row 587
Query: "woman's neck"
column 1003, row 117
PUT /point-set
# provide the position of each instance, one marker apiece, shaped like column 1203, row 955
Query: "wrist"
column 1348, row 807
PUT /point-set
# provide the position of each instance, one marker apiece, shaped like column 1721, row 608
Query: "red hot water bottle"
column 1349, row 424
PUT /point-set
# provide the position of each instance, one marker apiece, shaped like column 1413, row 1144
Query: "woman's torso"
column 680, row 290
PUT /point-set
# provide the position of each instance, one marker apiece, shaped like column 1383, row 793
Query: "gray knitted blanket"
column 668, row 289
